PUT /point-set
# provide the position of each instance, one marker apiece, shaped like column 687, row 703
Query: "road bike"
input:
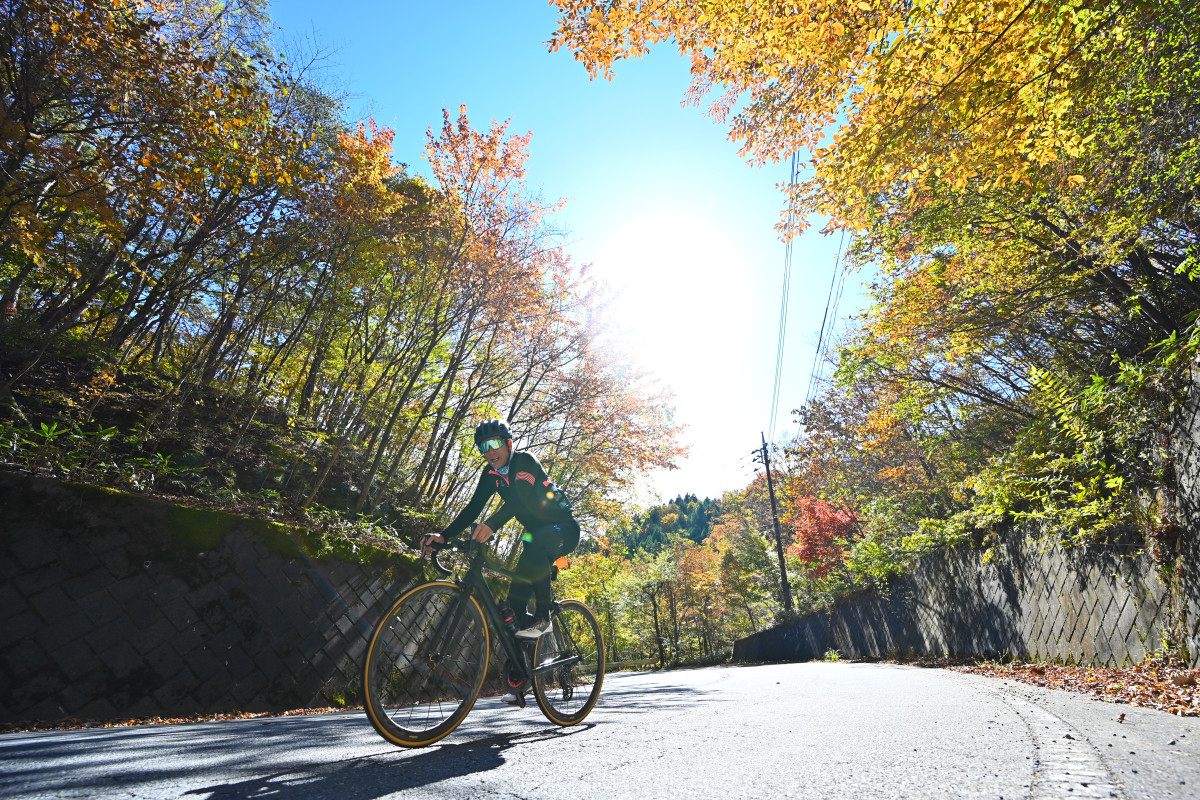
column 428, row 657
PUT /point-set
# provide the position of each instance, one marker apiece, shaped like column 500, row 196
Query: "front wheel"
column 425, row 664
column 569, row 664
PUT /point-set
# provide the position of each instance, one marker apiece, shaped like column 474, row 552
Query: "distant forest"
column 686, row 516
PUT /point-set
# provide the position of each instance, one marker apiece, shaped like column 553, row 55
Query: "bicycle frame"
column 426, row 652
column 473, row 583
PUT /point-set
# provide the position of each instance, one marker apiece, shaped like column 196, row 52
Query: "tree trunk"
column 385, row 436
column 658, row 639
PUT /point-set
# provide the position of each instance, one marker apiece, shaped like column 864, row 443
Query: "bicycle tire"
column 568, row 694
column 416, row 690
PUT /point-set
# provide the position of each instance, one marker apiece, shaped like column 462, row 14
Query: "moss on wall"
column 171, row 610
column 201, row 529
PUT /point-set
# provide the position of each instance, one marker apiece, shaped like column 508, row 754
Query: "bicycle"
column 428, row 657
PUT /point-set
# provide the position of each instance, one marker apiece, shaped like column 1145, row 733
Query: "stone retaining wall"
column 1085, row 605
column 118, row 606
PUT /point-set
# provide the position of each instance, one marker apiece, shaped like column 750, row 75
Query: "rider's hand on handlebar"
column 482, row 532
column 429, row 540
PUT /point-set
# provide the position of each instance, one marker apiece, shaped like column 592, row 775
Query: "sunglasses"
column 490, row 444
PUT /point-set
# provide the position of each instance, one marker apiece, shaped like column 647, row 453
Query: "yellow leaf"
column 837, row 28
column 1076, row 180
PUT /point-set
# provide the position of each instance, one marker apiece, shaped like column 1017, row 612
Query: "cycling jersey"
column 527, row 493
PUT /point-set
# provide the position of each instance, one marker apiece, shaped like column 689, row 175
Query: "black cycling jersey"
column 527, row 493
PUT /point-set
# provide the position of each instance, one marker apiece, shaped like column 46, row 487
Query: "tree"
column 821, row 533
column 1024, row 177
column 238, row 278
column 933, row 92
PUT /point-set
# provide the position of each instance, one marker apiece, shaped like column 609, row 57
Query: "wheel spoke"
column 567, row 694
column 425, row 665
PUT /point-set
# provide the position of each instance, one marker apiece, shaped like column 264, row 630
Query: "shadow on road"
column 369, row 777
column 335, row 755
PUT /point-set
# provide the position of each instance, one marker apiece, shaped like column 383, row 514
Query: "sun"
column 675, row 272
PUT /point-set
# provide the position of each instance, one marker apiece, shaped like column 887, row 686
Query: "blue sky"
column 658, row 199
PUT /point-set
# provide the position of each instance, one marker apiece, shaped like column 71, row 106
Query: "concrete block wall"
column 1185, row 443
column 1087, row 605
column 117, row 606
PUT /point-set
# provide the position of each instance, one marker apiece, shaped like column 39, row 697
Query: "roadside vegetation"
column 1020, row 179
column 213, row 287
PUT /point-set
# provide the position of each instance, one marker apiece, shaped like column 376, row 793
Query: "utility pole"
column 783, row 578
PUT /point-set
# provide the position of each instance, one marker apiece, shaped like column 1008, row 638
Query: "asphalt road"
column 789, row 730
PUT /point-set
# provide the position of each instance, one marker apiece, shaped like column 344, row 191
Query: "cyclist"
column 550, row 528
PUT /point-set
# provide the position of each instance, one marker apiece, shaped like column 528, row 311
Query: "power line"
column 783, row 306
column 837, row 282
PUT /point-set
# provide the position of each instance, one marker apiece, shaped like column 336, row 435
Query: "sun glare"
column 684, row 293
column 676, row 275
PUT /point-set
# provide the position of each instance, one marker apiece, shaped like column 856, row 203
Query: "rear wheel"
column 569, row 664
column 425, row 664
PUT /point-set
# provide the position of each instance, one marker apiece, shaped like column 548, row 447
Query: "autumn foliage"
column 893, row 100
column 1019, row 182
column 677, row 583
column 1161, row 682
column 214, row 286
column 821, row 533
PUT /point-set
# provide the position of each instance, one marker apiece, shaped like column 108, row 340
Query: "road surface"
column 787, row 730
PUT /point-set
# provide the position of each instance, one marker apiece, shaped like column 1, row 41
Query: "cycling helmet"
column 492, row 429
